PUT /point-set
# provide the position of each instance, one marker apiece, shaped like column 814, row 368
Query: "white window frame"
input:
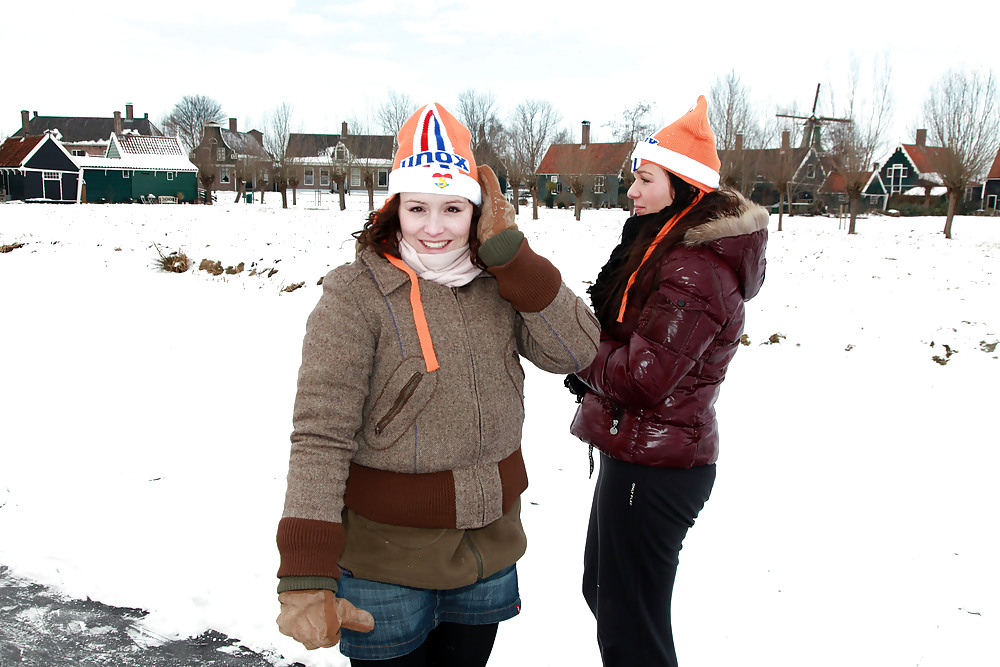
column 224, row 176
column 324, row 178
column 811, row 171
column 50, row 175
column 170, row 175
column 599, row 183
column 382, row 178
column 126, row 173
column 307, row 177
column 991, row 202
column 220, row 154
column 355, row 178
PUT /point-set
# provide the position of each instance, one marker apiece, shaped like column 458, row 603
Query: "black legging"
column 447, row 645
column 638, row 521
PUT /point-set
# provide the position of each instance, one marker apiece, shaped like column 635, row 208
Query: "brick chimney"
column 739, row 141
column 343, row 129
column 24, row 121
column 118, row 122
column 921, row 138
column 786, row 140
column 232, row 125
column 585, row 133
column 128, row 111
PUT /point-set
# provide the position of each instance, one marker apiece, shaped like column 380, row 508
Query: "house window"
column 554, row 178
column 324, row 177
column 811, row 171
column 355, row 178
column 341, row 152
column 50, row 175
column 125, row 173
column 170, row 175
column 224, row 175
column 599, row 184
column 383, row 178
column 991, row 202
column 78, row 153
column 308, row 177
column 896, row 175
column 220, row 154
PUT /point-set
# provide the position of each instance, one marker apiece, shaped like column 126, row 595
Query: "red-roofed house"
column 914, row 170
column 38, row 168
column 991, row 188
column 594, row 170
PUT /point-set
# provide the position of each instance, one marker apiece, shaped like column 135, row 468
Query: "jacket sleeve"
column 675, row 327
column 562, row 337
column 333, row 383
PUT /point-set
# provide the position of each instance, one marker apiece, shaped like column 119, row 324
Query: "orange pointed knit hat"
column 434, row 156
column 686, row 148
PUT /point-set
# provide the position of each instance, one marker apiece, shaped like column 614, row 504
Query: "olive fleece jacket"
column 424, row 467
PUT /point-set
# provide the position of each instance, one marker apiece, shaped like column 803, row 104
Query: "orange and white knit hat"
column 686, row 148
column 434, row 156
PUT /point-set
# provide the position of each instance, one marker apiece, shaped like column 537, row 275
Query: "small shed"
column 38, row 168
column 139, row 168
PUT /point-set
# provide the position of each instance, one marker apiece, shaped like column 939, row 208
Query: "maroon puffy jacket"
column 656, row 377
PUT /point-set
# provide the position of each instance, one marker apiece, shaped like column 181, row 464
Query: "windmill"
column 811, row 127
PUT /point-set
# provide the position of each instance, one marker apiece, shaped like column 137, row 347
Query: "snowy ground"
column 144, row 421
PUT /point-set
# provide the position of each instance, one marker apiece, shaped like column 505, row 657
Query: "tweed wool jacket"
column 656, row 377
column 405, row 452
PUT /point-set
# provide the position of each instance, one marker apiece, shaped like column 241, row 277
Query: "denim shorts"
column 404, row 615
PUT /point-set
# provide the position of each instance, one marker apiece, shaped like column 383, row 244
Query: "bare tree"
column 531, row 127
column 392, row 113
column 277, row 128
column 188, row 117
column 738, row 131
column 577, row 170
column 478, row 112
column 962, row 116
column 634, row 123
column 363, row 146
column 339, row 171
column 855, row 144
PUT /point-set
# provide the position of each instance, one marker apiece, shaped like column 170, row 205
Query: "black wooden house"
column 38, row 168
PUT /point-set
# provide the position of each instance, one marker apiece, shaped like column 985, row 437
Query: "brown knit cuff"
column 309, row 548
column 529, row 282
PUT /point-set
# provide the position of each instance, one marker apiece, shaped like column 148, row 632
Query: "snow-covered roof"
column 137, row 162
column 936, row 191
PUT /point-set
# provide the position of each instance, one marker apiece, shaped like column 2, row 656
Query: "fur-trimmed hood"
column 739, row 239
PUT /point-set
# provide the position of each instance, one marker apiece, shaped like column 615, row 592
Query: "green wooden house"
column 139, row 168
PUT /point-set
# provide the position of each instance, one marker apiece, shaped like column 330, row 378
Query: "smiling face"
column 652, row 191
column 433, row 223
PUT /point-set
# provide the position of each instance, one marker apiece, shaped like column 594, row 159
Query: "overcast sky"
column 332, row 61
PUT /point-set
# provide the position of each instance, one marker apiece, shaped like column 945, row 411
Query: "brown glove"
column 314, row 617
column 498, row 214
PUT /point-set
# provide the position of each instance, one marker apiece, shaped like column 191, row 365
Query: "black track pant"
column 638, row 520
column 447, row 645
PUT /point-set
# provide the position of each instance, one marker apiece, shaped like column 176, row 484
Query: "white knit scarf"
column 453, row 268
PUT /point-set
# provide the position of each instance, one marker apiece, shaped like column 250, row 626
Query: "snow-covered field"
column 144, row 421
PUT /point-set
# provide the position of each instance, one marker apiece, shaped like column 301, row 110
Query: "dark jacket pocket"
column 403, row 397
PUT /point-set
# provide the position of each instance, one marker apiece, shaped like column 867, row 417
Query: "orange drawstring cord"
column 423, row 331
column 667, row 226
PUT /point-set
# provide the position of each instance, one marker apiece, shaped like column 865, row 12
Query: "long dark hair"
column 637, row 234
column 381, row 231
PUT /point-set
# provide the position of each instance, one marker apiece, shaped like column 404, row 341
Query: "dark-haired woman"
column 405, row 475
column 671, row 305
